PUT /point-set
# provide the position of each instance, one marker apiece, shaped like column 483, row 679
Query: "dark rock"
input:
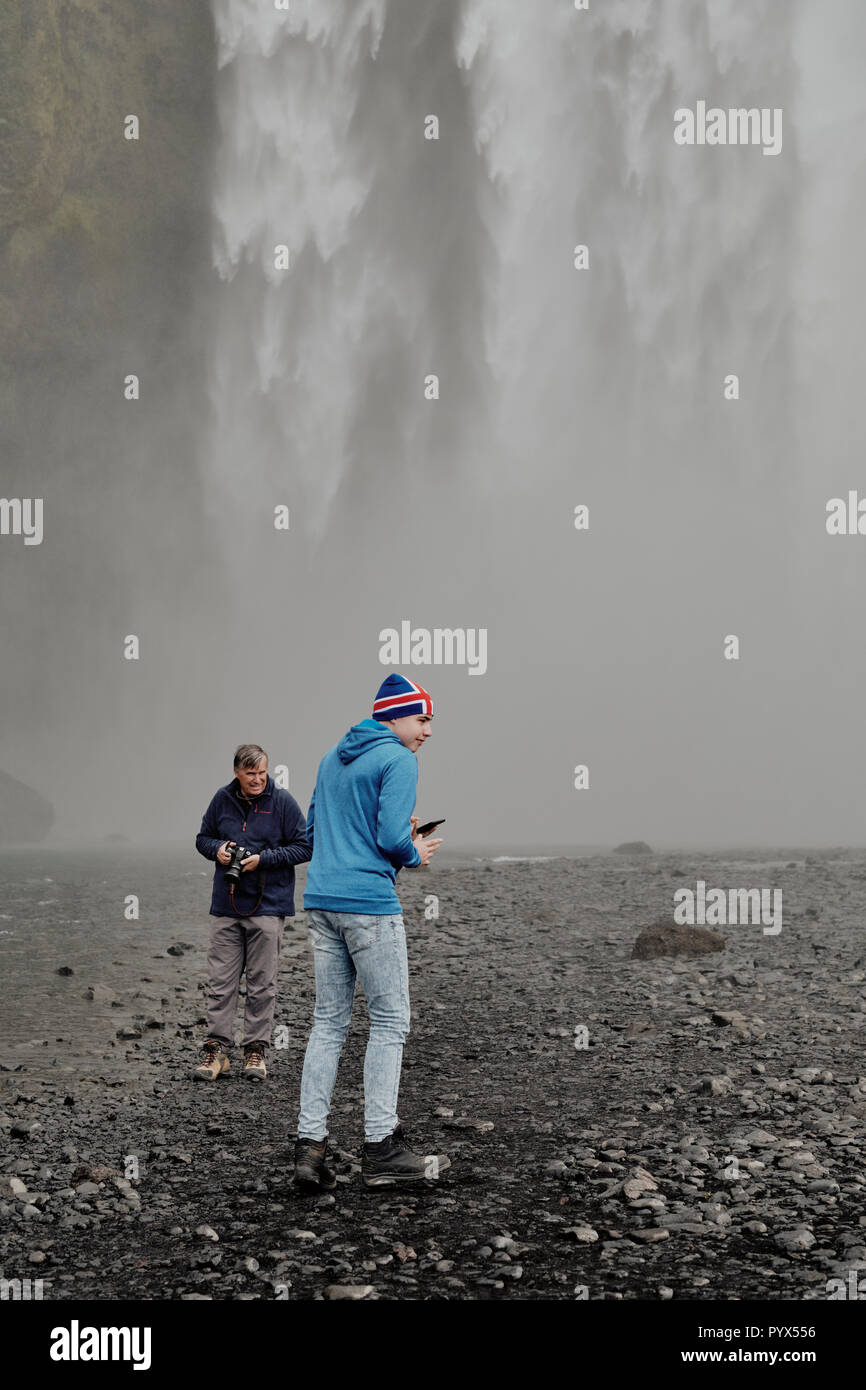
column 633, row 847
column 65, row 970
column 664, row 939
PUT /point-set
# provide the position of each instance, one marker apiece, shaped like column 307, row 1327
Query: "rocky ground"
column 619, row 1128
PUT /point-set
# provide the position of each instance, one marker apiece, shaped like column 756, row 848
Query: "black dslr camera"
column 233, row 872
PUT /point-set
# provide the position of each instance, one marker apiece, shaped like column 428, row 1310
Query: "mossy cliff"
column 105, row 270
column 88, row 219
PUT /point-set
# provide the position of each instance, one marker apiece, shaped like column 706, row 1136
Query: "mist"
column 558, row 387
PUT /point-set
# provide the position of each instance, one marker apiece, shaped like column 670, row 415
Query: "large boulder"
column 25, row 816
column 633, row 847
column 665, row 939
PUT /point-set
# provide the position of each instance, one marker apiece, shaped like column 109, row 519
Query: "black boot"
column 311, row 1171
column 392, row 1161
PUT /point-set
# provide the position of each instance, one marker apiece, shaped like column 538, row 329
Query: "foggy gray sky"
column 558, row 387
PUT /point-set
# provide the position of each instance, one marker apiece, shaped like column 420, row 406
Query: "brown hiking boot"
column 254, row 1063
column 214, row 1062
column 311, row 1171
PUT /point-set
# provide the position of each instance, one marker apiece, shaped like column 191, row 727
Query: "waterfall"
column 558, row 386
column 409, row 256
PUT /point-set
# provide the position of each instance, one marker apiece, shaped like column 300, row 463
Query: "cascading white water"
column 556, row 128
column 558, row 386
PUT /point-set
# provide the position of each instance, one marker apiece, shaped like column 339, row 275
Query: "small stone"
column 65, row 970
column 761, row 1139
column 584, row 1234
column 715, row 1085
column 345, row 1291
column 511, row 1247
column 99, row 994
column 717, row 1215
column 640, row 1181
column 207, row 1231
column 650, row 1234
column 800, row 1238
column 729, row 1018
column 100, row 1172
column 37, row 1257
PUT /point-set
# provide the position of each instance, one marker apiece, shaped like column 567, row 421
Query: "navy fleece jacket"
column 270, row 825
column 358, row 822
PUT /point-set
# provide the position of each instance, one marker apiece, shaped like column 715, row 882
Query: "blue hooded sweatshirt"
column 358, row 822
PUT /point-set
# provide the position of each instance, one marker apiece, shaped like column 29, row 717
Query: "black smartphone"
column 428, row 826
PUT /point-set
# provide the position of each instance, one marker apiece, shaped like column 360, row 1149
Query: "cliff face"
column 86, row 215
column 25, row 816
column 105, row 267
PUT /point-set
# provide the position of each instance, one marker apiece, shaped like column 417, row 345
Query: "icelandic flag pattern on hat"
column 397, row 696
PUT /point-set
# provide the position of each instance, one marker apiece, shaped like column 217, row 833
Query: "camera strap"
column 260, row 884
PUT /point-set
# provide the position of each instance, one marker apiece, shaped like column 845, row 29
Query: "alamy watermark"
column 22, row 516
column 737, row 126
column 438, row 646
column 21, row 1289
column 719, row 907
column 846, row 518
column 77, row 1343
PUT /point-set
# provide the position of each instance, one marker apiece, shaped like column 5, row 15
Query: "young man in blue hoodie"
column 363, row 831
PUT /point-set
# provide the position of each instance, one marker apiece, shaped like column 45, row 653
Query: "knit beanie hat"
column 397, row 697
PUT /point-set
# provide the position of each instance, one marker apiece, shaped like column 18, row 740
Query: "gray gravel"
column 706, row 1143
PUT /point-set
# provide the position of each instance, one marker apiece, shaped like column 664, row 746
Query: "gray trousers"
column 238, row 943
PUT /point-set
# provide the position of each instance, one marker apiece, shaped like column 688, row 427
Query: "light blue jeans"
column 348, row 946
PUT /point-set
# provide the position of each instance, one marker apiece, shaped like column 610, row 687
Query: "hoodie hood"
column 361, row 737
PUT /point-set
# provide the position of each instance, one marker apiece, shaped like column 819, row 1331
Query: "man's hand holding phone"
column 424, row 845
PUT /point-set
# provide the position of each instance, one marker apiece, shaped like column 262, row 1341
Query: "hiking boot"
column 214, row 1062
column 392, row 1161
column 311, row 1171
column 254, row 1063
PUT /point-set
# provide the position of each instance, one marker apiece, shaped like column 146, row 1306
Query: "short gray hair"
column 248, row 755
